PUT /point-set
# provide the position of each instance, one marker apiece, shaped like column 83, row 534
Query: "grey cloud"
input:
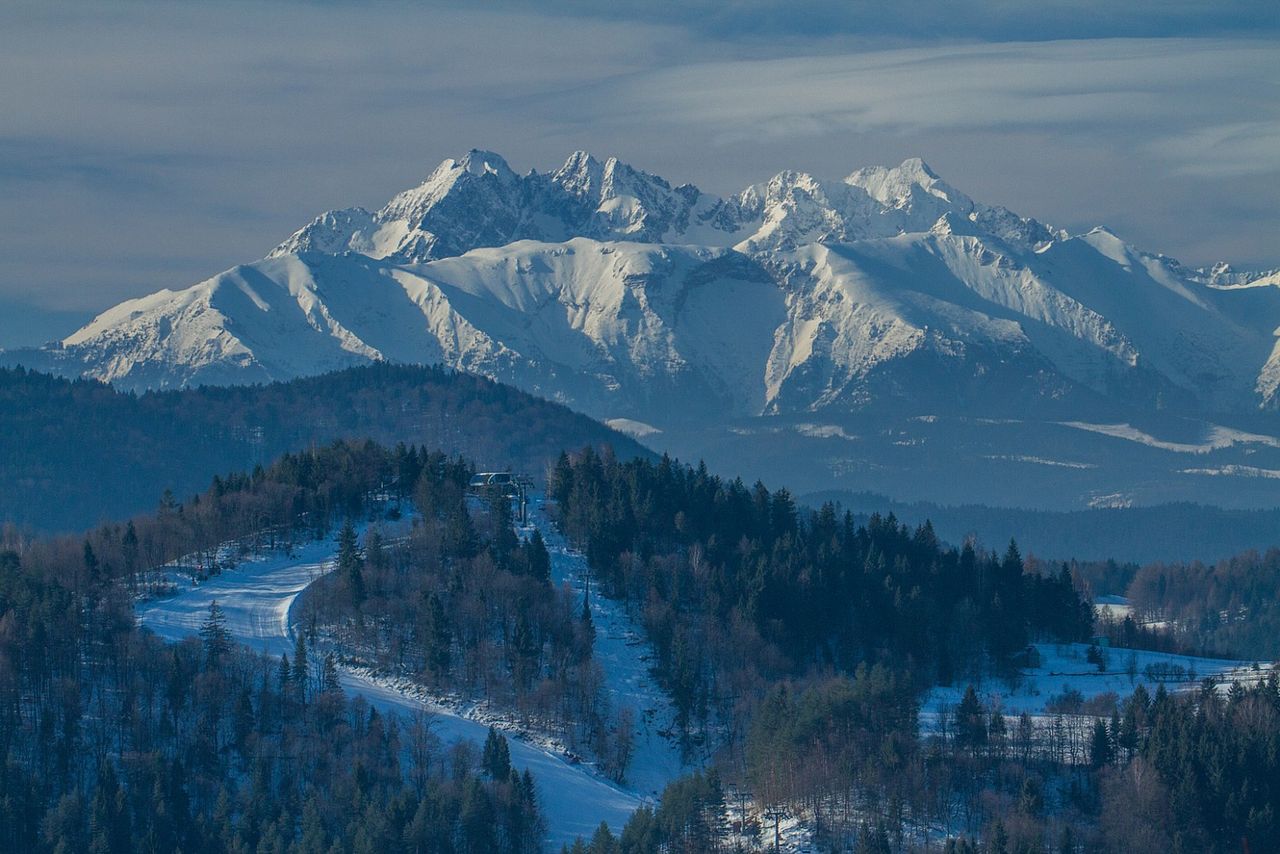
column 151, row 145
column 1001, row 20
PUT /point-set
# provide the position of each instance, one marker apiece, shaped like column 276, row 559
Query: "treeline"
column 738, row 589
column 1231, row 607
column 73, row 453
column 113, row 741
column 294, row 499
column 1176, row 531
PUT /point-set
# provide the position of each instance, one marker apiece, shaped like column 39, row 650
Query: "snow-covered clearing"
column 1064, row 667
column 625, row 655
column 1113, row 606
column 634, row 429
column 257, row 598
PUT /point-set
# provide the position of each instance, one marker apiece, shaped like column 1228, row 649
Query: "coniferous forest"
column 798, row 643
column 794, row 644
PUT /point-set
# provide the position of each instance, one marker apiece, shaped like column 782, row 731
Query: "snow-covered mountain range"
column 605, row 287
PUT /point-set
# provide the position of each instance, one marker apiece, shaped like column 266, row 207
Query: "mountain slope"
column 74, row 453
column 602, row 286
column 673, row 312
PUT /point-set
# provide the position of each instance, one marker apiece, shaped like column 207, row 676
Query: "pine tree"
column 524, row 652
column 300, row 669
column 350, row 567
column 588, row 624
column 129, row 546
column 214, row 635
column 476, row 820
column 496, row 757
column 537, row 557
column 331, row 683
column 375, row 550
column 971, row 723
column 436, row 637
column 1100, row 745
column 505, row 543
column 109, row 817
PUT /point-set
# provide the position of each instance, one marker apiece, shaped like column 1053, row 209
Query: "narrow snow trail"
column 257, row 597
column 626, row 657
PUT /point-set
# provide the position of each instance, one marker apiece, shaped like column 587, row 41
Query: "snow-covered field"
column 257, row 598
column 1064, row 667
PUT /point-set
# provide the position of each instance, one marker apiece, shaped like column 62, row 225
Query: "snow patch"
column 633, row 428
column 1217, row 437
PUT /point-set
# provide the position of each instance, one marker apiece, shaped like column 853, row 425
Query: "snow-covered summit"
column 478, row 201
column 604, row 286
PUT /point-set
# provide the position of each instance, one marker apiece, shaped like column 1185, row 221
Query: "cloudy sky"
column 149, row 145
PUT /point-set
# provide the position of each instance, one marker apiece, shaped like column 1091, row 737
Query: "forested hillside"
column 1231, row 605
column 75, row 453
column 116, row 742
column 739, row 589
column 798, row 645
column 466, row 607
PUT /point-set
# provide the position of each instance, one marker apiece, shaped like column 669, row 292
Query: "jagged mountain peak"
column 480, row 162
column 599, row 282
column 897, row 186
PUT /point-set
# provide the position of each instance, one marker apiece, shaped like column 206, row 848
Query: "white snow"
column 604, row 287
column 636, row 429
column 1215, row 439
column 1116, row 607
column 1064, row 667
column 626, row 657
column 1041, row 461
column 824, row 431
column 1234, row 471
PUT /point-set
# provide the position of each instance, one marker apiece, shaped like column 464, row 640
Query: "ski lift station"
column 507, row 484
column 485, row 479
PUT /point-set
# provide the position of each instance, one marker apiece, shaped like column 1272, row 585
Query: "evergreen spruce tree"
column 331, row 683
column 537, row 557
column 971, row 722
column 436, row 638
column 524, row 653
column 129, row 547
column 300, row 670
column 350, row 566
column 1099, row 745
column 588, row 624
column 496, row 756
column 214, row 635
